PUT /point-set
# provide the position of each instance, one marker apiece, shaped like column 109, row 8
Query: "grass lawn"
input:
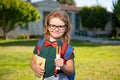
column 93, row 61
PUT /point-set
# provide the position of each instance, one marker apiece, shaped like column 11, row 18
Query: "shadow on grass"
column 33, row 42
column 4, row 72
column 19, row 43
column 78, row 43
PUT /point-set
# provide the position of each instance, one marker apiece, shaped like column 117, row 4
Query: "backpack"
column 66, row 52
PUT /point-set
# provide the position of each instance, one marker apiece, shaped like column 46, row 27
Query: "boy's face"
column 56, row 28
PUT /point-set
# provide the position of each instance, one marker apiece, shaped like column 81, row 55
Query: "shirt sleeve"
column 35, row 50
column 72, row 56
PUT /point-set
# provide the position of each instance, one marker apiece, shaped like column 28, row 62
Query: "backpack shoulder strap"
column 39, row 45
column 67, row 51
column 64, row 46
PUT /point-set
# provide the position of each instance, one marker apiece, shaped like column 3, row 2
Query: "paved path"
column 83, row 38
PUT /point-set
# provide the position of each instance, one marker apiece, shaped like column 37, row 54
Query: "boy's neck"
column 52, row 39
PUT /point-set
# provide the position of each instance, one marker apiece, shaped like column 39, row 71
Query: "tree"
column 14, row 13
column 116, row 17
column 116, row 9
column 69, row 2
column 94, row 17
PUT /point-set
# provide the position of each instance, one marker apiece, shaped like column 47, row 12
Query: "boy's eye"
column 53, row 25
column 61, row 27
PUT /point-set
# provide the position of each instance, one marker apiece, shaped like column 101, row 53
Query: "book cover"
column 38, row 60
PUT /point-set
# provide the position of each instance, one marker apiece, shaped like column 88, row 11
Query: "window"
column 77, row 22
column 45, row 13
column 25, row 27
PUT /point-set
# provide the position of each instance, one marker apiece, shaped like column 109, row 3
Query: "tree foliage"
column 94, row 17
column 116, row 10
column 69, row 2
column 14, row 13
column 116, row 18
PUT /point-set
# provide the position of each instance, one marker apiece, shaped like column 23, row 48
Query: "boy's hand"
column 59, row 62
column 38, row 70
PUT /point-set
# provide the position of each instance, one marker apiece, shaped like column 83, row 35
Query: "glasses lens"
column 60, row 27
column 52, row 26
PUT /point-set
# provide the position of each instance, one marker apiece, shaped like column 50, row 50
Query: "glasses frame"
column 60, row 27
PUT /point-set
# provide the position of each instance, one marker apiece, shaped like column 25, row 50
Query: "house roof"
column 69, row 7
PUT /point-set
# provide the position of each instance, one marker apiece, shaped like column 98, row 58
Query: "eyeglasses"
column 60, row 27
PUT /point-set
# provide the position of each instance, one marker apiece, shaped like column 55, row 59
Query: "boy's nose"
column 56, row 28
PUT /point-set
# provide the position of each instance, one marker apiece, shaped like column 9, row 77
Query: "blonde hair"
column 62, row 16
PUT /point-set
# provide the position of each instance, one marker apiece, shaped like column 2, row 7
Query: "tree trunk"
column 5, row 35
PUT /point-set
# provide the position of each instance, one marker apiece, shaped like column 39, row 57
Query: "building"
column 44, row 7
